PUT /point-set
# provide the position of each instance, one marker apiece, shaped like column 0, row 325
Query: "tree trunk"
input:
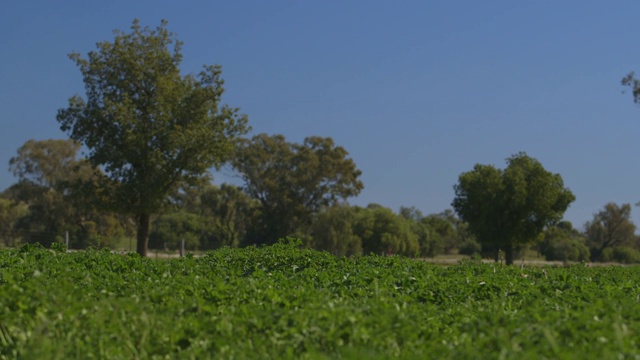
column 508, row 254
column 596, row 253
column 143, row 233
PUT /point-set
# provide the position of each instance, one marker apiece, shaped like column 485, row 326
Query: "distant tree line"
column 150, row 136
column 290, row 190
column 285, row 193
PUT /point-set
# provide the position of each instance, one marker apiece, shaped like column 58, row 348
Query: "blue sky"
column 417, row 91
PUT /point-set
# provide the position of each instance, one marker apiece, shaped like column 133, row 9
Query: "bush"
column 567, row 250
column 621, row 254
column 469, row 247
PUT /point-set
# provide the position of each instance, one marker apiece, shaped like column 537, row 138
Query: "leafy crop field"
column 281, row 302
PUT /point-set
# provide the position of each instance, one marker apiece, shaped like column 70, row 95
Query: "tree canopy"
column 332, row 231
column 510, row 207
column 51, row 185
column 562, row 242
column 293, row 181
column 384, row 232
column 148, row 127
column 10, row 213
column 610, row 227
column 49, row 163
column 631, row 81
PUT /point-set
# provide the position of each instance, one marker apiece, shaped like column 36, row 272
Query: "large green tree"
column 510, row 207
column 293, row 181
column 148, row 127
column 610, row 227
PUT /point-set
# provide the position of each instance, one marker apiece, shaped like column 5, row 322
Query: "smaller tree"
column 383, row 232
column 229, row 214
column 511, row 207
column 461, row 238
column 293, row 181
column 443, row 233
column 49, row 174
column 563, row 242
column 332, row 231
column 172, row 228
column 10, row 213
column 411, row 213
column 432, row 231
column 51, row 163
column 610, row 227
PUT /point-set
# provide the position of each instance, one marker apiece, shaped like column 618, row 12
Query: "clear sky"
column 417, row 91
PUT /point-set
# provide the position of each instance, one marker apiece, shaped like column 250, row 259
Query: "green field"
column 282, row 302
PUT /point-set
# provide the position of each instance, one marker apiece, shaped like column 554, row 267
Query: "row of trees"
column 290, row 189
column 151, row 135
column 51, row 198
column 285, row 185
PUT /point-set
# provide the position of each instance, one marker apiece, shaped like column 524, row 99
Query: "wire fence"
column 72, row 240
column 79, row 242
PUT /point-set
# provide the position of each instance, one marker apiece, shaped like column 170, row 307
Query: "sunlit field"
column 283, row 302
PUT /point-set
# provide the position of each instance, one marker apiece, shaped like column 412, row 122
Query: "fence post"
column 66, row 239
column 181, row 247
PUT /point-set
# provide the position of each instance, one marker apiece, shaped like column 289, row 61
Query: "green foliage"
column 283, row 302
column 294, row 181
column 146, row 125
column 621, row 254
column 432, row 231
column 510, row 207
column 227, row 213
column 10, row 213
column 332, row 231
column 470, row 247
column 27, row 248
column 231, row 214
column 50, row 164
column 59, row 247
column 461, row 235
column 47, row 171
column 563, row 242
column 565, row 249
column 384, row 232
column 431, row 243
column 439, row 232
column 610, row 227
column 51, row 199
column 170, row 229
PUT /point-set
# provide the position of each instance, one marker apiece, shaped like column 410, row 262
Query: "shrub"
column 567, row 250
column 621, row 254
column 469, row 247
